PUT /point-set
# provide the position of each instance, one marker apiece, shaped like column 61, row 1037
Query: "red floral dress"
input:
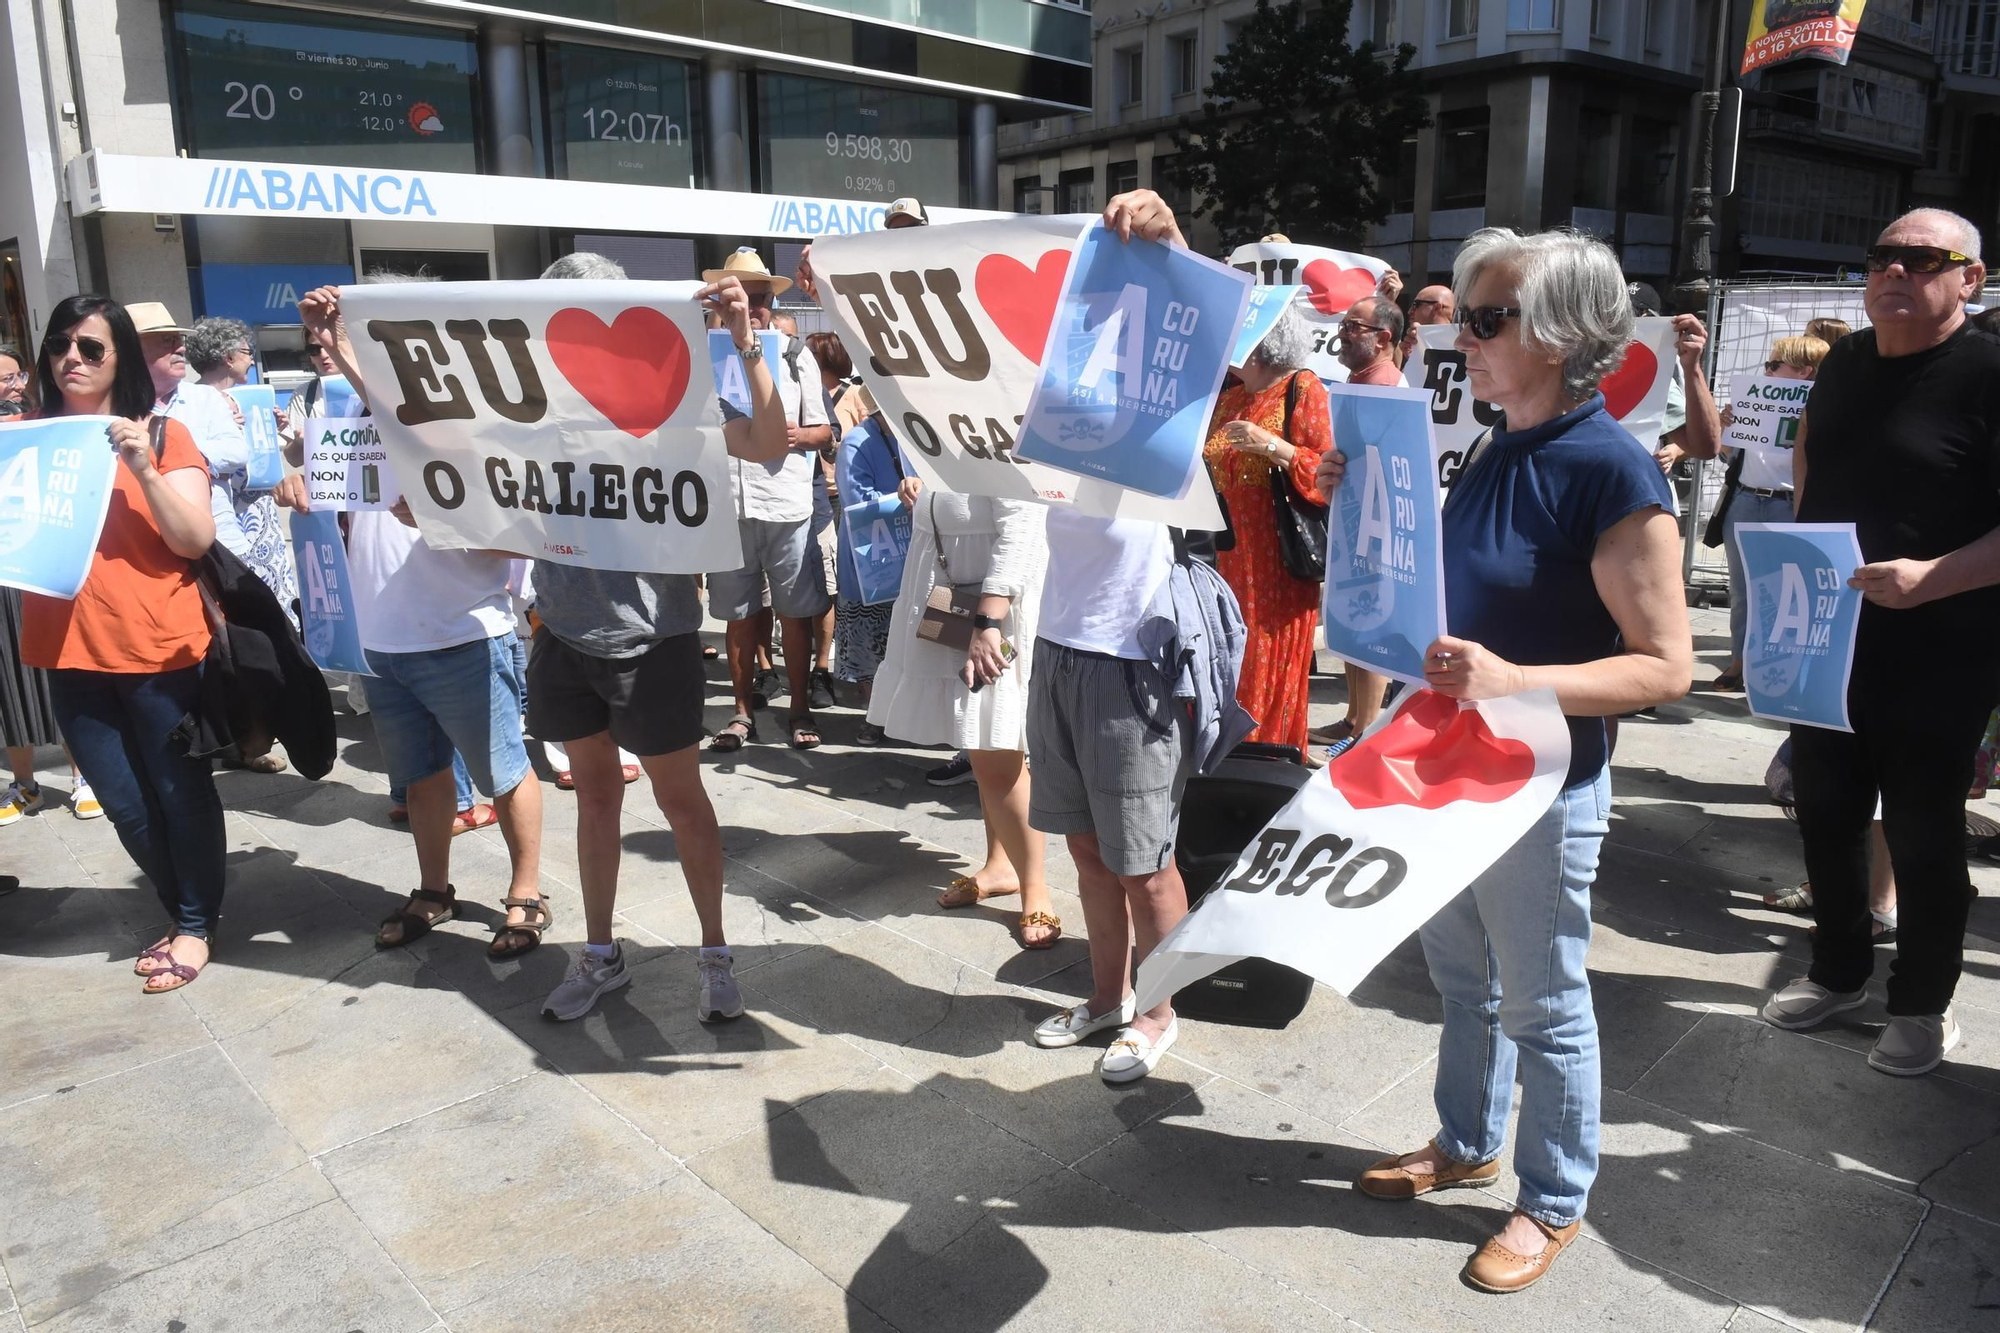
column 1281, row 612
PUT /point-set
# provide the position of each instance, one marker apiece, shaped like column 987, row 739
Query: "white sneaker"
column 1915, row 1044
column 83, row 802
column 589, row 978
column 1131, row 1057
column 1072, row 1025
column 1804, row 1003
column 719, row 997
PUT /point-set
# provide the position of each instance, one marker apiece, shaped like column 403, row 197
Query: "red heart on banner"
column 1625, row 388
column 1332, row 289
column 1432, row 753
column 1021, row 301
column 634, row 370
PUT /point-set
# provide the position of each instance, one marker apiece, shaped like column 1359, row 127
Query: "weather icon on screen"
column 424, row 119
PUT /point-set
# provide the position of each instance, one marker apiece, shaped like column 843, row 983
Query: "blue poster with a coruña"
column 56, row 479
column 878, row 540
column 1267, row 306
column 1135, row 357
column 1798, row 644
column 326, row 597
column 259, row 405
column 1384, row 593
column 732, row 379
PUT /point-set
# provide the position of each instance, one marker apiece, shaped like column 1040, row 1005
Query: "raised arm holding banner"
column 574, row 422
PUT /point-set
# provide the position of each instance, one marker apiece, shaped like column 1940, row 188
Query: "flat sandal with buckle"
column 544, row 917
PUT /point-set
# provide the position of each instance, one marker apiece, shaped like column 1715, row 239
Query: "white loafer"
column 1131, row 1057
column 1072, row 1025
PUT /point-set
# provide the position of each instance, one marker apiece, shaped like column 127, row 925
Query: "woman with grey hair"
column 1562, row 572
column 218, row 350
column 1271, row 423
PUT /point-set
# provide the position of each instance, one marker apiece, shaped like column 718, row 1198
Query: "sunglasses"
column 761, row 300
column 1425, row 300
column 1484, row 320
column 1913, row 258
column 92, row 350
column 1356, row 326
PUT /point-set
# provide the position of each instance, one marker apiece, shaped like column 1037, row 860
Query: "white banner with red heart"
column 1635, row 393
column 1376, row 843
column 948, row 326
column 1333, row 280
column 569, row 421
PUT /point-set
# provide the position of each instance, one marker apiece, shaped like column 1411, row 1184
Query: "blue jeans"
column 162, row 802
column 399, row 795
column 1746, row 508
column 434, row 708
column 1507, row 956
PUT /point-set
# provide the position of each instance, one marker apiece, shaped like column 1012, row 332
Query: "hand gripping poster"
column 1431, row 796
column 568, row 421
column 947, row 326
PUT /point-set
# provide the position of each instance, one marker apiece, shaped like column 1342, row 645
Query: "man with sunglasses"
column 1433, row 305
column 1904, row 431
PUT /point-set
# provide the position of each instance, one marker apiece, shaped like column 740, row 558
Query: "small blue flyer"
column 259, row 405
column 878, row 538
column 1798, row 646
column 1141, row 339
column 1384, row 592
column 338, row 399
column 326, row 598
column 732, row 379
column 1267, row 306
column 56, row 478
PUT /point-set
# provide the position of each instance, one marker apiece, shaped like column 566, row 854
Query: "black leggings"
column 1914, row 745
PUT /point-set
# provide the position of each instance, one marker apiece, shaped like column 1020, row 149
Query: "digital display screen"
column 844, row 141
column 262, row 84
column 622, row 116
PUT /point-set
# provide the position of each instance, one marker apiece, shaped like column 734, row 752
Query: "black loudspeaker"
column 1220, row 814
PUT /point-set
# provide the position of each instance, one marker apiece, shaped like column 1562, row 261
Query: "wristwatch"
column 980, row 622
column 754, row 352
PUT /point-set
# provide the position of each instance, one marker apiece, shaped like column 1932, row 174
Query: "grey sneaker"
column 1806, row 1004
column 719, row 997
column 588, row 979
column 1915, row 1044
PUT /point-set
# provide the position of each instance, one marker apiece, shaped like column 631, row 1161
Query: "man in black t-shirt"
column 1904, row 430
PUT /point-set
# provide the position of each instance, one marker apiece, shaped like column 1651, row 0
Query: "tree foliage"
column 1299, row 130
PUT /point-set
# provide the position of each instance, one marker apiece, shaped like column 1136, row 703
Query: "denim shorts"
column 468, row 698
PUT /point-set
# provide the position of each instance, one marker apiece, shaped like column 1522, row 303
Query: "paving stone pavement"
column 321, row 1136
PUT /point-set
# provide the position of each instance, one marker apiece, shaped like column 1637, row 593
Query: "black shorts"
column 651, row 704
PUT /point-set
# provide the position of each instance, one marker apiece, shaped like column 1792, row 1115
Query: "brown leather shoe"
column 1390, row 1179
column 1499, row 1270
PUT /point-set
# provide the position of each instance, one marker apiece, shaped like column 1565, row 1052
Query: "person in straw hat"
column 774, row 514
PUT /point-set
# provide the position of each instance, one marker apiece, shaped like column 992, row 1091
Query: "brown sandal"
column 1049, row 919
column 965, row 892
column 414, row 923
column 533, row 929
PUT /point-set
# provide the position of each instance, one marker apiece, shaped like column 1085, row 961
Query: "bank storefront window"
column 622, row 116
column 259, row 83
column 842, row 140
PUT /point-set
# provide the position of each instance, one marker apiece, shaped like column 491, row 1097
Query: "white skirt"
column 920, row 696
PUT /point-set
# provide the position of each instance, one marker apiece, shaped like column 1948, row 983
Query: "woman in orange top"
column 1248, row 438
column 125, row 655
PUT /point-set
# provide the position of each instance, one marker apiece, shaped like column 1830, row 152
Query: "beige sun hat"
column 153, row 317
column 747, row 267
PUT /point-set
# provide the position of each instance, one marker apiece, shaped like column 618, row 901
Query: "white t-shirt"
column 411, row 599
column 1103, row 574
column 782, row 491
